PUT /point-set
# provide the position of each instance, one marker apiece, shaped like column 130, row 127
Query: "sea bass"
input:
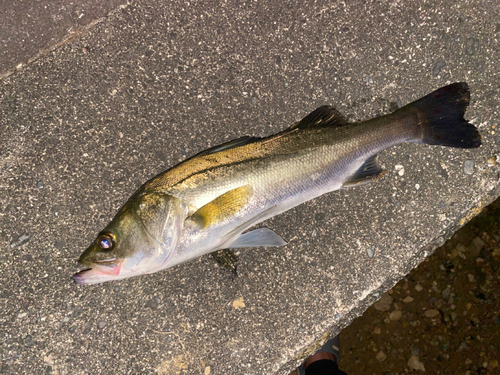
column 210, row 201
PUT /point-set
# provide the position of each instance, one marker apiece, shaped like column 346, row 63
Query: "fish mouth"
column 100, row 271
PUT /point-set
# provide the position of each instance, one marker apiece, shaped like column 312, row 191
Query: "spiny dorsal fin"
column 222, row 207
column 369, row 171
column 323, row 116
column 231, row 144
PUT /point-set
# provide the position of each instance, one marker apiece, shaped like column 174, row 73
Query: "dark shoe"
column 330, row 351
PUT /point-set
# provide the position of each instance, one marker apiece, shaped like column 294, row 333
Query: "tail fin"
column 444, row 111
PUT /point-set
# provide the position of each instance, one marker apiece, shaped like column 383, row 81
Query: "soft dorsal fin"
column 323, row 116
column 231, row 144
column 369, row 171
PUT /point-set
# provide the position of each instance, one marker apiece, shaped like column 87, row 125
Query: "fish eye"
column 105, row 241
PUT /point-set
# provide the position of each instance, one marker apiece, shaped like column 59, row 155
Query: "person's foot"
column 330, row 351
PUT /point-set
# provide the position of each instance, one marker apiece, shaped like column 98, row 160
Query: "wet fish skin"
column 209, row 201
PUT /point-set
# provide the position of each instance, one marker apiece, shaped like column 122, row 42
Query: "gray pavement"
column 30, row 29
column 86, row 124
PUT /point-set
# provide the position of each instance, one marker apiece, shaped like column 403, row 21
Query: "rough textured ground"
column 444, row 317
column 85, row 124
column 32, row 28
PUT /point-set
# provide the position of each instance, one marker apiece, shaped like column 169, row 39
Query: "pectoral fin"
column 369, row 171
column 222, row 207
column 256, row 238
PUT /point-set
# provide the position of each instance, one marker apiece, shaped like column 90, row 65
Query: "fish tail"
column 442, row 114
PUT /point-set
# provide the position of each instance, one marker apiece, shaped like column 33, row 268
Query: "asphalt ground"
column 87, row 122
column 30, row 29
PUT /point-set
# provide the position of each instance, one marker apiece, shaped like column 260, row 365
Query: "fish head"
column 140, row 239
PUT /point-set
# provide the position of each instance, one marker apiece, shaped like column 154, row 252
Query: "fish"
column 212, row 200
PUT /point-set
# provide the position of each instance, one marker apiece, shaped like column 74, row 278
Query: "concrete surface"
column 84, row 125
column 29, row 29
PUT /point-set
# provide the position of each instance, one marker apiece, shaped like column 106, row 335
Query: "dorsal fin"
column 231, row 144
column 323, row 116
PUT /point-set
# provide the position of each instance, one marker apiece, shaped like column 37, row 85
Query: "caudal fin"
column 443, row 117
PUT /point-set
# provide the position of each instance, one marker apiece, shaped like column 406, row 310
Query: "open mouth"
column 100, row 271
column 107, row 261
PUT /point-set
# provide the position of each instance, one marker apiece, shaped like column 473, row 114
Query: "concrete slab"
column 87, row 124
column 30, row 29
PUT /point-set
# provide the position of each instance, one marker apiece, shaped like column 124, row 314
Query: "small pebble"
column 419, row 287
column 381, row 356
column 431, row 313
column 437, row 67
column 101, row 324
column 472, row 46
column 21, row 240
column 384, row 303
column 446, row 292
column 39, row 184
column 478, row 243
column 376, row 331
column 238, row 303
column 469, row 167
column 400, row 169
column 408, row 299
column 471, row 277
column 395, row 315
column 415, row 364
column 492, row 161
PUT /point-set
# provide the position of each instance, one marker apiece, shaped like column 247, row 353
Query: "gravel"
column 437, row 68
column 449, row 318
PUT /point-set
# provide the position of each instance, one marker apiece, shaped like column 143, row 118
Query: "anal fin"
column 368, row 172
column 254, row 238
